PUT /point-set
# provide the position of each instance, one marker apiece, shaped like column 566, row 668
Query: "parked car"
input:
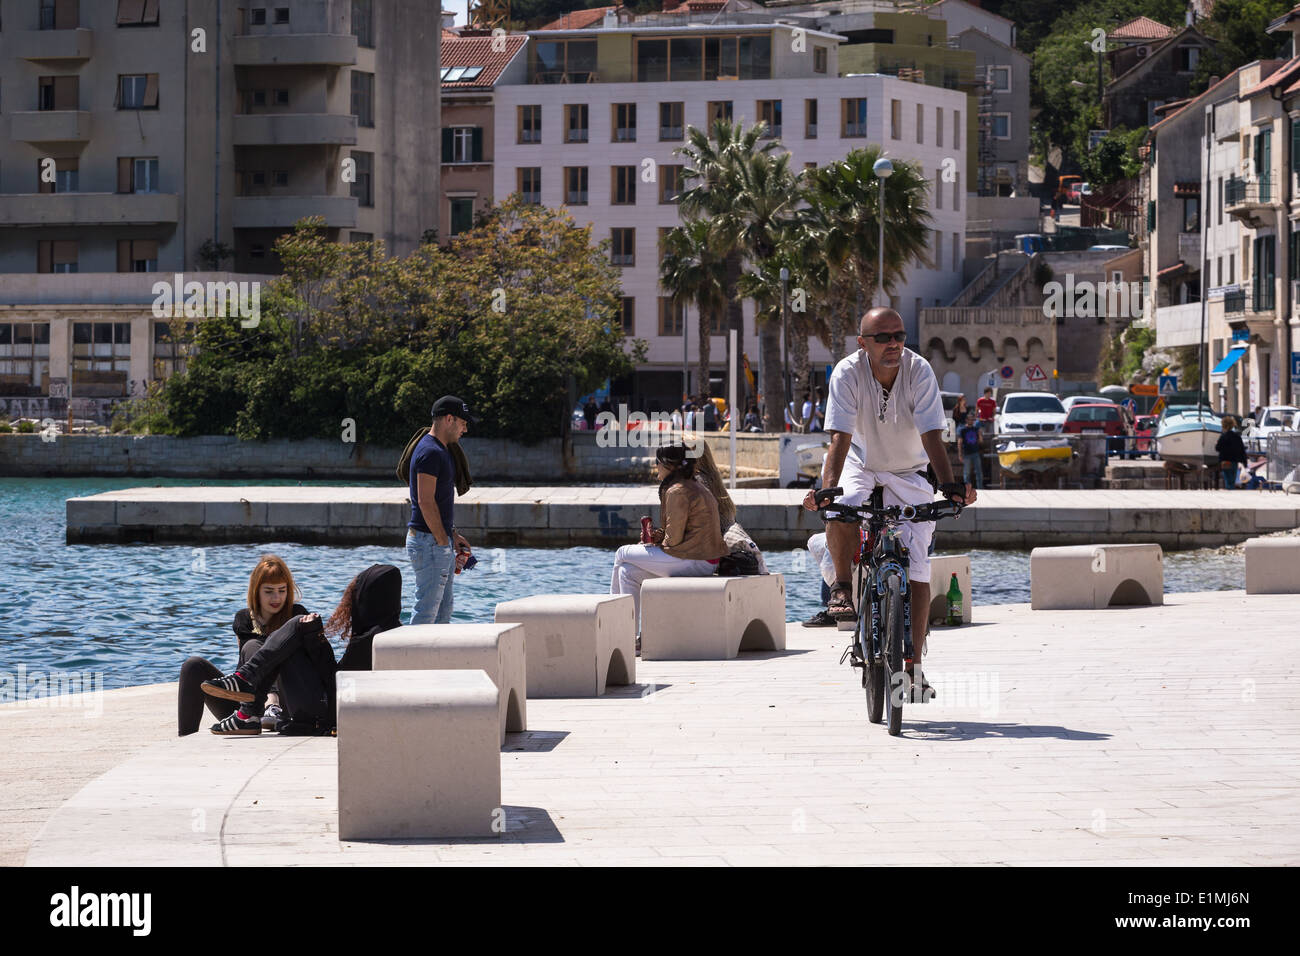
column 1030, row 413
column 1066, row 185
column 1101, row 417
column 1273, row 419
column 1144, row 429
column 1073, row 400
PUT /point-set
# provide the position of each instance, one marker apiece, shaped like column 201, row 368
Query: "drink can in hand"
column 646, row 525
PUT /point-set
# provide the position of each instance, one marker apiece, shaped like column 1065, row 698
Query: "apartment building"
column 604, row 107
column 182, row 136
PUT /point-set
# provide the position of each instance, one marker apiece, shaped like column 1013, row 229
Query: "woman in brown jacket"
column 688, row 544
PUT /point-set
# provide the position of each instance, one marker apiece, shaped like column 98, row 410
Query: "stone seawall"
column 220, row 456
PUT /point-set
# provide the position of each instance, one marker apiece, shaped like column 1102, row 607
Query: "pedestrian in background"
column 1232, row 452
column 987, row 408
column 589, row 412
column 968, row 439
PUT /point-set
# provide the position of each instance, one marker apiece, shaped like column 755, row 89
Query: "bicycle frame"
column 882, row 556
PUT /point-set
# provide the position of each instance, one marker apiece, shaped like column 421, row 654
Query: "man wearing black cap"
column 431, row 538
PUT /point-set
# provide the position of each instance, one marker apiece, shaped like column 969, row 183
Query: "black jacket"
column 243, row 623
column 1230, row 447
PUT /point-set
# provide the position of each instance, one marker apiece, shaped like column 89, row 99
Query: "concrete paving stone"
column 160, row 513
column 236, row 514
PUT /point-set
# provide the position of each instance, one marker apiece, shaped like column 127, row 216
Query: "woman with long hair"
column 688, row 543
column 300, row 657
column 271, row 603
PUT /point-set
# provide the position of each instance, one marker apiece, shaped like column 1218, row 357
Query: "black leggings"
column 299, row 659
column 190, row 696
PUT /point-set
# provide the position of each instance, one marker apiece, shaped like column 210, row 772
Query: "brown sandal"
column 840, row 605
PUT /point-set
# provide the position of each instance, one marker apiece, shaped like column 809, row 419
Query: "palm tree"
column 692, row 271
column 843, row 211
column 712, row 176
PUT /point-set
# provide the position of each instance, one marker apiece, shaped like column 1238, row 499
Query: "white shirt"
column 914, row 407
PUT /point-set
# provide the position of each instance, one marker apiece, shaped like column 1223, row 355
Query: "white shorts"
column 909, row 489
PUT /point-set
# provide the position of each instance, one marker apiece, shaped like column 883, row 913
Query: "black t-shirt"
column 243, row 623
column 432, row 458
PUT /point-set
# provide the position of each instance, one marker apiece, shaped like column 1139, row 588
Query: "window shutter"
column 125, row 167
column 65, row 93
column 1151, row 216
column 65, row 251
column 45, row 256
column 144, row 249
column 129, row 11
column 446, row 145
column 41, row 185
column 65, row 14
column 1295, row 147
column 151, row 91
column 124, row 255
column 150, row 11
column 477, row 145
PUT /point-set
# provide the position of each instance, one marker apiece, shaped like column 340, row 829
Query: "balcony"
column 89, row 209
column 98, row 288
column 281, row 212
column 50, row 126
column 983, row 327
column 1234, row 302
column 559, row 76
column 303, row 49
column 1248, row 200
column 1252, row 311
column 1189, row 250
column 67, row 46
column 295, row 129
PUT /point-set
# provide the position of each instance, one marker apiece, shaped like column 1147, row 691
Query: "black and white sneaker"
column 821, row 619
column 232, row 726
column 231, row 687
column 271, row 717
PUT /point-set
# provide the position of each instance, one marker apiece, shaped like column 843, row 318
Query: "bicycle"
column 882, row 641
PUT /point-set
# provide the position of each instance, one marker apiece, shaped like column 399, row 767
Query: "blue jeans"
column 1229, row 475
column 435, row 572
column 972, row 463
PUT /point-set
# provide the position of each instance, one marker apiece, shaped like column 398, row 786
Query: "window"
column 623, row 251
column 363, row 23
column 137, row 255
column 853, row 117
column 529, row 124
column 280, row 178
column 692, row 58
column 257, row 179
column 627, row 314
column 769, row 111
column 281, row 14
column 956, row 252
column 920, row 123
column 819, row 59
column 137, row 13
column 624, row 125
column 258, row 97
column 1232, row 268
column 462, row 144
column 809, row 166
column 571, row 61
column 56, row 255
column 938, row 126
column 1188, row 57
column 938, row 249
column 257, row 16
column 59, row 14
column 137, row 91
column 999, row 78
column 363, row 98
column 670, row 121
column 623, row 185
column 670, row 183
column 575, row 123
column 663, row 241
column 530, row 184
column 101, row 357
column 58, row 93
column 1220, row 201
column 956, row 193
column 1191, row 214
column 938, row 189
column 462, row 216
column 956, row 129
column 575, row 185
column 363, row 190
column 895, row 119
column 810, row 119
column 1001, row 128
column 718, row 109
column 137, row 174
column 281, row 97
column 672, row 316
column 65, row 176
column 24, row 357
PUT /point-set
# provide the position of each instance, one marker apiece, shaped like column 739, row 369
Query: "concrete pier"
column 609, row 516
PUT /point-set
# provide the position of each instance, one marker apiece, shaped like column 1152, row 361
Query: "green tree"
column 1239, row 27
column 691, row 271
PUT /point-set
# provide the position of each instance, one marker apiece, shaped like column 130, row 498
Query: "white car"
column 1273, row 419
column 1073, row 400
column 1030, row 414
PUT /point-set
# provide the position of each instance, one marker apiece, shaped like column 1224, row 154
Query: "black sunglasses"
column 884, row 338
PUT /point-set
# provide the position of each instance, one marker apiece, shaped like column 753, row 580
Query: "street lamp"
column 785, row 338
column 883, row 169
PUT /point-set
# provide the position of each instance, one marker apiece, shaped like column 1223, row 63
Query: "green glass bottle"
column 954, row 603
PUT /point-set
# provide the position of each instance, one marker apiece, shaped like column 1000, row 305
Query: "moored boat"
column 1187, row 435
column 1017, row 456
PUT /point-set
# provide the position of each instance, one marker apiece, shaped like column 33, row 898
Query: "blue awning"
column 1229, row 360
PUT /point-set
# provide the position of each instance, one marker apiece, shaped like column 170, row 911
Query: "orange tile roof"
column 1141, row 28
column 579, row 19
column 1287, row 71
column 478, row 51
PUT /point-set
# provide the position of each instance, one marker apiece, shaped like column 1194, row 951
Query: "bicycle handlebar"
column 932, row 511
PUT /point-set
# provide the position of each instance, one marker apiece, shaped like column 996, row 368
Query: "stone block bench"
column 1273, row 565
column 1091, row 576
column 495, row 649
column 578, row 644
column 711, row 618
column 942, row 568
column 419, row 755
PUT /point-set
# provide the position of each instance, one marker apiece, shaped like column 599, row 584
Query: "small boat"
column 1016, row 456
column 1187, row 434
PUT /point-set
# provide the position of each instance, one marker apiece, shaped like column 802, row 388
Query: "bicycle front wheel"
column 873, row 671
column 895, row 677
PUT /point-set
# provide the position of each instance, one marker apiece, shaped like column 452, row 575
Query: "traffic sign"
column 1131, row 405
column 1007, row 371
column 1295, row 368
column 1035, row 373
column 1168, row 384
column 1150, row 390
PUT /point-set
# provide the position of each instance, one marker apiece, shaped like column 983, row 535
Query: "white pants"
column 635, row 563
column 909, row 489
column 821, row 554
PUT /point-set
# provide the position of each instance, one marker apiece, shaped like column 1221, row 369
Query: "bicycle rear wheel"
column 894, row 676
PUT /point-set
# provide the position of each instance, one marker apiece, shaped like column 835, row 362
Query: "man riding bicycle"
column 885, row 417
